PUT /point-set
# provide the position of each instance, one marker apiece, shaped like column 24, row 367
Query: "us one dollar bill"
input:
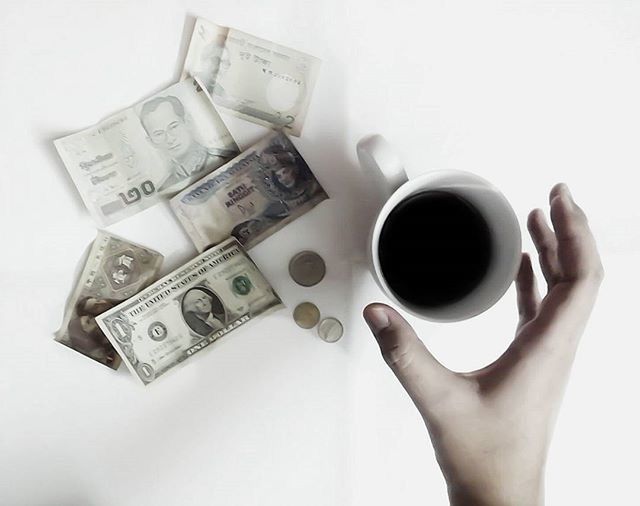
column 252, row 78
column 115, row 270
column 133, row 159
column 251, row 197
column 187, row 310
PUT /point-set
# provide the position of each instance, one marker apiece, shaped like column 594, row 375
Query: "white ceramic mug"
column 380, row 161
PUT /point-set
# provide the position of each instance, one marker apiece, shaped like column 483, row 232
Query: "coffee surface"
column 434, row 249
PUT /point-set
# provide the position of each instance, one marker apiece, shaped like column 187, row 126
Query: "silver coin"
column 306, row 315
column 307, row 268
column 330, row 330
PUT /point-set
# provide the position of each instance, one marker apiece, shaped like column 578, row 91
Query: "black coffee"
column 434, row 249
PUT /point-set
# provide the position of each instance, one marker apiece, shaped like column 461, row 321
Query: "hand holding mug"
column 445, row 245
column 491, row 428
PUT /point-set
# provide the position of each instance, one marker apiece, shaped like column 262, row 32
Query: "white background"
column 523, row 93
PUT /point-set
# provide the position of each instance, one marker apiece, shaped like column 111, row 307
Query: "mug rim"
column 410, row 187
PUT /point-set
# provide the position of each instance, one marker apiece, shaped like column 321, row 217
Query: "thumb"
column 422, row 376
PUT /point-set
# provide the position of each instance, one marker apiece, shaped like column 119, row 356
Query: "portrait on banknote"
column 115, row 269
column 188, row 310
column 213, row 60
column 250, row 197
column 170, row 130
column 151, row 150
column 84, row 335
column 289, row 183
column 289, row 178
column 203, row 311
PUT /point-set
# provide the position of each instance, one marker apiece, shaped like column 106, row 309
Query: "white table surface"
column 523, row 93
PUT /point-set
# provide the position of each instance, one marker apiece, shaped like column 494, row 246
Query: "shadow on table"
column 249, row 378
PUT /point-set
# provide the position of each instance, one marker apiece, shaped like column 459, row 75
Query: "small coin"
column 307, row 268
column 330, row 330
column 306, row 315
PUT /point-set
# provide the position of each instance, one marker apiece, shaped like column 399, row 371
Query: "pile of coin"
column 307, row 268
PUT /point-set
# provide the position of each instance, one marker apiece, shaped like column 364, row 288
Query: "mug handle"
column 378, row 158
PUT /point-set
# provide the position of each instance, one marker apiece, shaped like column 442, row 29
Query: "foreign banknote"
column 114, row 271
column 129, row 161
column 187, row 310
column 251, row 197
column 252, row 78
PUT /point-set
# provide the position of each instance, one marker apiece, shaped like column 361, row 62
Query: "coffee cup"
column 446, row 245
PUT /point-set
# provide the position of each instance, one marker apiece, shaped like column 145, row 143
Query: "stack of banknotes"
column 174, row 146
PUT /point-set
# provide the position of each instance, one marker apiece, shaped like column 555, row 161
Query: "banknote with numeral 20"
column 137, row 157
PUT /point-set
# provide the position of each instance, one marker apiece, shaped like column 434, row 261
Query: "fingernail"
column 565, row 189
column 377, row 319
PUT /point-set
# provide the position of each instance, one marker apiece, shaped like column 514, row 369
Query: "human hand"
column 491, row 428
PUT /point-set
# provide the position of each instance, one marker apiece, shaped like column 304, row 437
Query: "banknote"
column 134, row 158
column 187, row 310
column 252, row 78
column 115, row 270
column 250, row 197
